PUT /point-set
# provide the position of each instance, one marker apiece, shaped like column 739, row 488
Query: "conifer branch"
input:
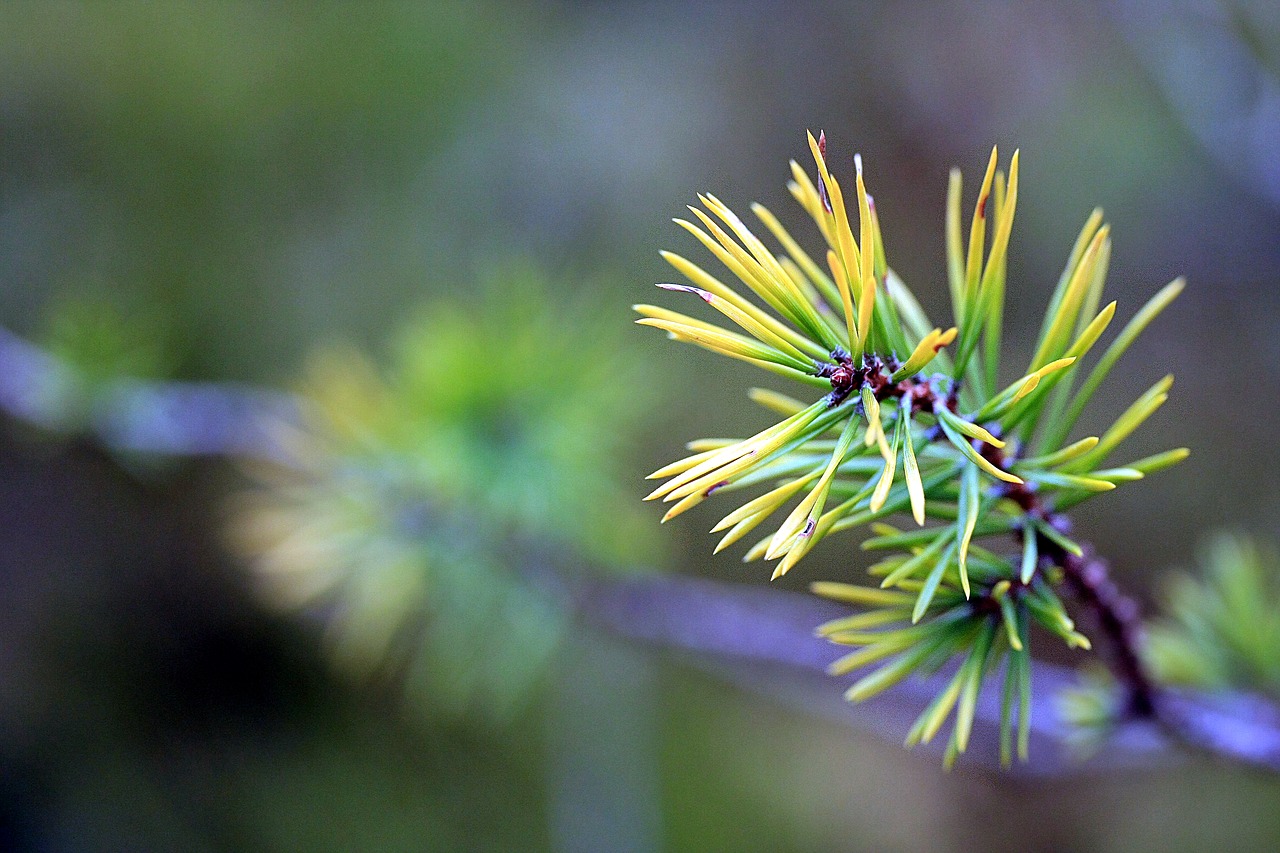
column 925, row 430
column 762, row 639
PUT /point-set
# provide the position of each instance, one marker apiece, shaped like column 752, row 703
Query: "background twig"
column 759, row 638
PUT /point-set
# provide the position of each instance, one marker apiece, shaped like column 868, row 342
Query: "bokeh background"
column 236, row 183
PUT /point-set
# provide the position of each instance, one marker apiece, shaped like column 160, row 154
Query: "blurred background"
column 211, row 191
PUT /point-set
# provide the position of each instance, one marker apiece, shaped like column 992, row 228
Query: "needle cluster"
column 911, row 419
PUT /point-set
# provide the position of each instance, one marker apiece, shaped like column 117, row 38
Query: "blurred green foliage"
column 434, row 511
column 1221, row 627
column 98, row 343
column 103, row 341
column 519, row 401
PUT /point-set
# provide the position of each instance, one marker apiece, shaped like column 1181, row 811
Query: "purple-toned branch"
column 760, row 638
column 132, row 415
column 763, row 639
column 1086, row 577
column 1116, row 616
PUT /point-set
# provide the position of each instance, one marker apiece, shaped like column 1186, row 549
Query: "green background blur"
column 244, row 181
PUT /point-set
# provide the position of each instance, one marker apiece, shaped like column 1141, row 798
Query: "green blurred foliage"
column 519, row 400
column 426, row 508
column 98, row 343
column 1221, row 628
column 103, row 341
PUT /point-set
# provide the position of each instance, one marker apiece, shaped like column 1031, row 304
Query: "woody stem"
column 1115, row 614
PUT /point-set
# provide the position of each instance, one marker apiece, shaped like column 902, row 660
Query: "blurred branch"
column 131, row 415
column 763, row 639
column 759, row 638
column 26, row 375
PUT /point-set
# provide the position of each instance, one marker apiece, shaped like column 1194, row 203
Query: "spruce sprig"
column 912, row 419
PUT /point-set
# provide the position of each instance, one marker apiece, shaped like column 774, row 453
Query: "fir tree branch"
column 762, row 639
